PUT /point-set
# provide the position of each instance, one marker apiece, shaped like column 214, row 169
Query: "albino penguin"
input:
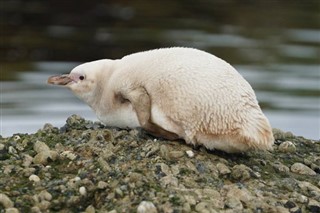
column 174, row 93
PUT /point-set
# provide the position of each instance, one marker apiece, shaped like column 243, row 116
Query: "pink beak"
column 60, row 79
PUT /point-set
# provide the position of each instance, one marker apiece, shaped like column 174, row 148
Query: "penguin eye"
column 81, row 77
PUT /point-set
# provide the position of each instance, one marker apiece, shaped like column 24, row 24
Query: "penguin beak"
column 60, row 80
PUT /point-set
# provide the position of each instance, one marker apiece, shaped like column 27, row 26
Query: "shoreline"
column 86, row 167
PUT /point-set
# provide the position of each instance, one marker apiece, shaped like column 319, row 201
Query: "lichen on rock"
column 87, row 167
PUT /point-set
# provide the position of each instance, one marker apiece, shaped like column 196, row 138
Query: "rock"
column 12, row 210
column 44, row 153
column 204, row 207
column 176, row 154
column 27, row 160
column 90, row 209
column 314, row 206
column 302, row 169
column 83, row 191
column 34, row 178
column 287, row 146
column 169, row 180
column 241, row 172
column 68, row 154
column 190, row 153
column 45, row 195
column 223, row 169
column 279, row 167
column 146, row 207
column 233, row 203
column 102, row 185
column 5, row 201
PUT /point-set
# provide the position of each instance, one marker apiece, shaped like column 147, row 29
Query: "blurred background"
column 274, row 44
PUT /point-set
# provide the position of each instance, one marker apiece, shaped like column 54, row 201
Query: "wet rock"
column 5, row 201
column 302, row 169
column 287, row 146
column 146, row 207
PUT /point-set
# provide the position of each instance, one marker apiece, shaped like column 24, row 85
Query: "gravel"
column 87, row 167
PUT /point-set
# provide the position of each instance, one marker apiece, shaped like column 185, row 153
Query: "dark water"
column 273, row 44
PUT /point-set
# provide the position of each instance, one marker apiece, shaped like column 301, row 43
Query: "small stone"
column 233, row 203
column 83, row 190
column 280, row 167
column 146, row 207
column 12, row 210
column 190, row 153
column 287, row 146
column 40, row 147
column 176, row 154
column 34, row 178
column 12, row 150
column 27, row 160
column 35, row 209
column 119, row 192
column 302, row 169
column 68, row 154
column 90, row 209
column 223, row 169
column 313, row 206
column 113, row 211
column 102, row 185
column 203, row 207
column 5, row 201
column 241, row 172
column 45, row 195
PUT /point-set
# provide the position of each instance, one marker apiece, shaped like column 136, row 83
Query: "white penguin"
column 174, row 93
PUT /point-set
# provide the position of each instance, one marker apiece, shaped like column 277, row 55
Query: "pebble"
column 287, row 146
column 102, row 185
column 5, row 201
column 90, row 209
column 241, row 172
column 233, row 203
column 68, row 154
column 146, row 207
column 176, row 154
column 45, row 195
column 279, row 167
column 12, row 210
column 190, row 153
column 223, row 169
column 203, row 207
column 44, row 153
column 83, row 191
column 302, row 169
column 34, row 178
column 314, row 206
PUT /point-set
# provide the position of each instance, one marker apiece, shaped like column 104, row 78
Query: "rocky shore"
column 86, row 167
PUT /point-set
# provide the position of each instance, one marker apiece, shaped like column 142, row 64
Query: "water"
column 276, row 50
